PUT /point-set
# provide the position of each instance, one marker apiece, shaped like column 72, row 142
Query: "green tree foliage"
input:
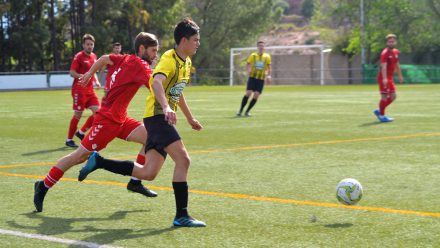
column 45, row 35
column 416, row 23
column 226, row 24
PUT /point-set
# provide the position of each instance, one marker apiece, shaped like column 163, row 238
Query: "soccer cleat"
column 137, row 187
column 89, row 167
column 71, row 143
column 79, row 135
column 385, row 119
column 40, row 191
column 188, row 221
column 238, row 114
column 247, row 114
column 377, row 114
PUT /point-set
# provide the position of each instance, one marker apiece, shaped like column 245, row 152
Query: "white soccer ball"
column 349, row 191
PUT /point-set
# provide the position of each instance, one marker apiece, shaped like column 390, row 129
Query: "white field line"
column 54, row 239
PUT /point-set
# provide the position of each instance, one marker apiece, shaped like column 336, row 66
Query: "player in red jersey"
column 389, row 63
column 83, row 97
column 128, row 74
column 117, row 49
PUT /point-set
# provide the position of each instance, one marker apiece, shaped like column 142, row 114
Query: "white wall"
column 35, row 81
column 8, row 82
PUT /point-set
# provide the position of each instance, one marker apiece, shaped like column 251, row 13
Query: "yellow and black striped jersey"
column 177, row 72
column 259, row 64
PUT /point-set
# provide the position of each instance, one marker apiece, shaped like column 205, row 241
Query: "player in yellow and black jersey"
column 259, row 68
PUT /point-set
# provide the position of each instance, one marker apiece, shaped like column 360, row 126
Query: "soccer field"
column 264, row 181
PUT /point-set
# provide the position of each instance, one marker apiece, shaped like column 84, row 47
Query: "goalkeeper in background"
column 259, row 68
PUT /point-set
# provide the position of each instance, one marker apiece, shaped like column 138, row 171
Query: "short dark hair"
column 145, row 39
column 259, row 42
column 185, row 29
column 116, row 44
column 88, row 37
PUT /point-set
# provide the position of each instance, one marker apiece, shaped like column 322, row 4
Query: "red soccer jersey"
column 391, row 58
column 128, row 74
column 81, row 64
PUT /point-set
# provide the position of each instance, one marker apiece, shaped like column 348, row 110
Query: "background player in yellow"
column 259, row 68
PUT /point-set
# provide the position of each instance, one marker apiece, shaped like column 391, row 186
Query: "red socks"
column 140, row 159
column 72, row 128
column 383, row 104
column 53, row 177
column 87, row 124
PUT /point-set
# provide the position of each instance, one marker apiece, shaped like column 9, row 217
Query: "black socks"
column 251, row 104
column 181, row 196
column 243, row 103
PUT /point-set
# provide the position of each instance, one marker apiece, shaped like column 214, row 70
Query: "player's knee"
column 77, row 115
column 184, row 162
column 149, row 176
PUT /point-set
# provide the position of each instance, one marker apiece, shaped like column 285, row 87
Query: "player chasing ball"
column 170, row 77
column 389, row 63
column 258, row 67
column 129, row 73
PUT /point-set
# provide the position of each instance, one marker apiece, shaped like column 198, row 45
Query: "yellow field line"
column 248, row 197
column 250, row 148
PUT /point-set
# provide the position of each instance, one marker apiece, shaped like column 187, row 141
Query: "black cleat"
column 71, row 143
column 79, row 135
column 137, row 187
column 40, row 191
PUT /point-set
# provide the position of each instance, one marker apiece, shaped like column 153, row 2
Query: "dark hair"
column 259, row 42
column 185, row 28
column 88, row 37
column 116, row 44
column 145, row 39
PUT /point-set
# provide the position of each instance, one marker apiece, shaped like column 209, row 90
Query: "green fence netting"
column 417, row 74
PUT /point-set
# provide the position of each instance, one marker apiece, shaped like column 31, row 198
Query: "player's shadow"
column 56, row 226
column 339, row 225
column 64, row 148
column 369, row 124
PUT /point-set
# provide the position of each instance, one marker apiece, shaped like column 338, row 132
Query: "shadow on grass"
column 57, row 226
column 369, row 124
column 339, row 225
column 64, row 148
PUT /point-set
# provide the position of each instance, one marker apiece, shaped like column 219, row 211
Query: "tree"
column 229, row 23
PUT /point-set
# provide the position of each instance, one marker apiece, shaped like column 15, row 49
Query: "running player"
column 170, row 77
column 83, row 97
column 129, row 73
column 389, row 63
column 259, row 67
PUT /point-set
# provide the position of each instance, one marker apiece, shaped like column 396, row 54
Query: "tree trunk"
column 53, row 36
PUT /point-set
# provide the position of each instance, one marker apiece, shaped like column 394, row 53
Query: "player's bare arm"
column 383, row 67
column 159, row 93
column 399, row 73
column 100, row 63
column 269, row 74
column 74, row 74
column 249, row 68
column 195, row 124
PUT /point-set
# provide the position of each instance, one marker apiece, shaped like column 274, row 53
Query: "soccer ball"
column 349, row 191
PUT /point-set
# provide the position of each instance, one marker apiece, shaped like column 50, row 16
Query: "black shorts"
column 255, row 85
column 160, row 134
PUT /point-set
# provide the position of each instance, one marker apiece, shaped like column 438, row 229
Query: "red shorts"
column 83, row 100
column 391, row 88
column 104, row 131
